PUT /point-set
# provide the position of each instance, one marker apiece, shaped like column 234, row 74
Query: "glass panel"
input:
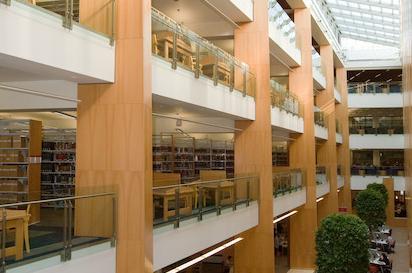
column 287, row 182
column 201, row 197
column 321, row 175
column 283, row 99
column 282, row 21
column 320, row 119
column 184, row 48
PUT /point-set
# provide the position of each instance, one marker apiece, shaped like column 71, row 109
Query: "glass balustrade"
column 69, row 13
column 316, row 61
column 321, row 175
column 175, row 203
column 320, row 119
column 185, row 49
column 287, row 182
column 282, row 21
column 283, row 99
column 33, row 230
column 376, row 125
column 374, row 88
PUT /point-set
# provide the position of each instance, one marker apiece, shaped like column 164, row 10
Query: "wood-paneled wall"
column 253, row 146
column 326, row 154
column 406, row 45
column 302, row 151
column 114, row 136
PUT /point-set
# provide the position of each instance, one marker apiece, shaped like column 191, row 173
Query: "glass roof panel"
column 376, row 21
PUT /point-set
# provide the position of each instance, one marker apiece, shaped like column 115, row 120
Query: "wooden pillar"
column 327, row 150
column 390, row 208
column 114, row 134
column 253, row 146
column 302, row 150
column 342, row 116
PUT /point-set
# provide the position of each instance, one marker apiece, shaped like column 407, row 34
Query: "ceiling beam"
column 363, row 19
column 344, row 21
column 365, row 11
column 369, row 39
column 374, row 4
column 370, row 32
column 370, row 29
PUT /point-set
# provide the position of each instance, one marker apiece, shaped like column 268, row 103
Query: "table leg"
column 19, row 240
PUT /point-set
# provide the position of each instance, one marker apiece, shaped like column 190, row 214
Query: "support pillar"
column 253, row 146
column 303, row 225
column 114, row 136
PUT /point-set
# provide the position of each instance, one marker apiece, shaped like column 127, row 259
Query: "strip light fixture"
column 285, row 216
column 319, row 199
column 204, row 256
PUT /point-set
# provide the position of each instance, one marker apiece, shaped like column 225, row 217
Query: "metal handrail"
column 57, row 199
column 204, row 182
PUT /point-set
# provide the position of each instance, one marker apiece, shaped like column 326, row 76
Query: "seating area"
column 382, row 244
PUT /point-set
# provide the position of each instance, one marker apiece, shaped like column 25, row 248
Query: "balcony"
column 282, row 41
column 190, row 70
column 319, row 80
column 286, row 112
column 375, row 95
column 340, row 180
column 322, row 183
column 359, row 182
column 289, row 191
column 208, row 213
column 321, row 130
column 339, row 137
column 60, row 48
column 338, row 96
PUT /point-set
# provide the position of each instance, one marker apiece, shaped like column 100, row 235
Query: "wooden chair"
column 26, row 229
column 155, row 49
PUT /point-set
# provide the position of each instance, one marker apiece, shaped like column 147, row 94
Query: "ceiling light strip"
column 285, row 216
column 204, row 256
column 319, row 199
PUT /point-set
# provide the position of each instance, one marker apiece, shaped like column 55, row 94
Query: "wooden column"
column 327, row 150
column 342, row 114
column 390, row 208
column 253, row 146
column 114, row 136
column 302, row 151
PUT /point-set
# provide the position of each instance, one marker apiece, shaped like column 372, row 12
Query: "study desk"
column 15, row 220
column 165, row 40
column 168, row 197
column 223, row 71
column 227, row 189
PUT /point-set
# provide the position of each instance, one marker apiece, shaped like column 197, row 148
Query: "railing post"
column 200, row 203
column 63, row 256
column 114, row 232
column 112, row 38
column 69, row 231
column 197, row 62
column 218, row 201
column 215, row 72
column 177, row 207
column 232, row 77
column 244, row 82
column 3, row 240
column 174, row 50
column 234, row 195
column 68, row 14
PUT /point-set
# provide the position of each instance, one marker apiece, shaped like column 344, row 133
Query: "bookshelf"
column 188, row 156
column 58, row 165
column 20, row 156
column 280, row 155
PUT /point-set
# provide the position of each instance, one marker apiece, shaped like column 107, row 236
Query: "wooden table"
column 223, row 71
column 165, row 39
column 227, row 187
column 169, row 195
column 15, row 220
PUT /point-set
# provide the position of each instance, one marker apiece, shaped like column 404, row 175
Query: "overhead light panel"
column 204, row 256
column 319, row 199
column 65, row 115
column 285, row 216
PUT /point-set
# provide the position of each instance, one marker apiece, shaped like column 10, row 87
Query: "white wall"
column 376, row 142
column 171, row 245
column 34, row 41
column 340, row 181
column 182, row 87
column 391, row 100
column 288, row 202
column 339, row 138
column 358, row 182
column 319, row 80
column 338, row 96
column 321, row 132
column 322, row 189
column 164, row 125
column 13, row 100
column 285, row 120
column 282, row 48
column 236, row 10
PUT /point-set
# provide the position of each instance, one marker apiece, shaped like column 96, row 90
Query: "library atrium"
column 205, row 136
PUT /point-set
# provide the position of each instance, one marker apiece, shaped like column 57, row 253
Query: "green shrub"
column 380, row 188
column 342, row 243
column 370, row 206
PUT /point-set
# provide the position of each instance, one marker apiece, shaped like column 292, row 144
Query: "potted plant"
column 342, row 245
column 370, row 206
